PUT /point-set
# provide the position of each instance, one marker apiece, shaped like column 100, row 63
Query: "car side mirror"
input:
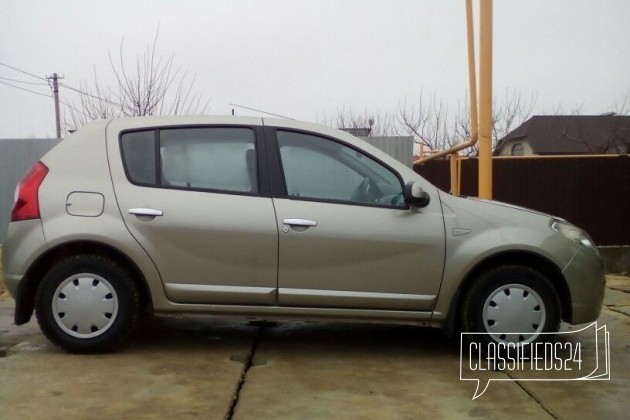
column 415, row 195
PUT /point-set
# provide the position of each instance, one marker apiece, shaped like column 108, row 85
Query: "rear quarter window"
column 138, row 151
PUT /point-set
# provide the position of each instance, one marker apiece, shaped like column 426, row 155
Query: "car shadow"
column 173, row 333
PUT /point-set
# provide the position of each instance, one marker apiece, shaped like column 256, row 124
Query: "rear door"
column 197, row 199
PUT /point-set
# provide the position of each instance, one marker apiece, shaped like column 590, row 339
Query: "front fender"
column 476, row 233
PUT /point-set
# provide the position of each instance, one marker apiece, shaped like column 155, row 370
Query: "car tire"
column 87, row 304
column 511, row 299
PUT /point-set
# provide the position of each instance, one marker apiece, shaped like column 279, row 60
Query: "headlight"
column 573, row 233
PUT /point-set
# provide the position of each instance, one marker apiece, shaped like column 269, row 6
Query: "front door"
column 347, row 239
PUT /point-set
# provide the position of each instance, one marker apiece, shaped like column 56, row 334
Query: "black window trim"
column 278, row 184
column 264, row 188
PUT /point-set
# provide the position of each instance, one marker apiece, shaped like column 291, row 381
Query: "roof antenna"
column 259, row 110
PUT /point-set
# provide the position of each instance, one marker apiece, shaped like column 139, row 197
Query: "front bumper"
column 585, row 276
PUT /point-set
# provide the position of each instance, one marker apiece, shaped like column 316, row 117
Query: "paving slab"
column 193, row 367
column 590, row 399
column 622, row 309
column 324, row 370
column 613, row 297
column 618, row 282
column 359, row 371
column 177, row 368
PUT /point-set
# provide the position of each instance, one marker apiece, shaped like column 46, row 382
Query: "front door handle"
column 300, row 222
column 140, row 211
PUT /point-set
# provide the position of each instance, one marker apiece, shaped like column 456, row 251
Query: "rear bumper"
column 23, row 295
column 11, row 282
column 24, row 244
column 585, row 276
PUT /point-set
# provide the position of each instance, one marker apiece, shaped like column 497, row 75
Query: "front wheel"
column 87, row 304
column 511, row 304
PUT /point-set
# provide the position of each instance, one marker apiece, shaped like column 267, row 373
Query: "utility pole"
column 55, row 87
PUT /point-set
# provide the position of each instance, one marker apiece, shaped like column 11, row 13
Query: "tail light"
column 26, row 205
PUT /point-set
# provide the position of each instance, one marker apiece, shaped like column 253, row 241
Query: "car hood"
column 479, row 214
column 515, row 207
column 487, row 227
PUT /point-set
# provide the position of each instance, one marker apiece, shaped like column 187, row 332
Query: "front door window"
column 325, row 170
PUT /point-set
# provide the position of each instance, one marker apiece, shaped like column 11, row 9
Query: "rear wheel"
column 87, row 304
column 511, row 304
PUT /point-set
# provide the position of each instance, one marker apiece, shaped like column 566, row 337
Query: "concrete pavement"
column 201, row 368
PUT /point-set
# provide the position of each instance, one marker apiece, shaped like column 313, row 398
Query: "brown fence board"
column 591, row 192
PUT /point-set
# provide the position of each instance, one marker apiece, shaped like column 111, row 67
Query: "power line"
column 48, row 84
column 63, row 85
column 66, row 86
column 27, row 90
column 23, row 71
column 60, row 84
column 54, row 86
column 23, row 81
column 75, row 109
column 43, row 94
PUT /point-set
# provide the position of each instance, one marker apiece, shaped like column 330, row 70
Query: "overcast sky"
column 305, row 59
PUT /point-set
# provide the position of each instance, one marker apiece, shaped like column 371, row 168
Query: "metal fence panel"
column 591, row 192
column 398, row 147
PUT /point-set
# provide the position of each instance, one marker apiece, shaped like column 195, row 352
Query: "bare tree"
column 153, row 86
column 509, row 113
column 560, row 109
column 430, row 123
column 622, row 107
column 379, row 123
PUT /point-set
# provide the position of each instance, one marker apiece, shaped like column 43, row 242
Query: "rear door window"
column 209, row 159
column 198, row 158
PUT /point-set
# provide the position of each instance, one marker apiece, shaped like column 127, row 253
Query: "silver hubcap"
column 85, row 305
column 514, row 313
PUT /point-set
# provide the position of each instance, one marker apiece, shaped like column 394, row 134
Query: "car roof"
column 132, row 123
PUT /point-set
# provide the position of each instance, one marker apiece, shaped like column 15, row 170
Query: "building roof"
column 573, row 134
column 358, row 131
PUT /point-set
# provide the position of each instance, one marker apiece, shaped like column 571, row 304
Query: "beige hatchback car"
column 264, row 219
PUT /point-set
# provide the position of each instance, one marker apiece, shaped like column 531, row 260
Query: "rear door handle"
column 300, row 222
column 140, row 211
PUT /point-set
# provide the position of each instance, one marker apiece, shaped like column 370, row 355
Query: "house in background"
column 568, row 135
